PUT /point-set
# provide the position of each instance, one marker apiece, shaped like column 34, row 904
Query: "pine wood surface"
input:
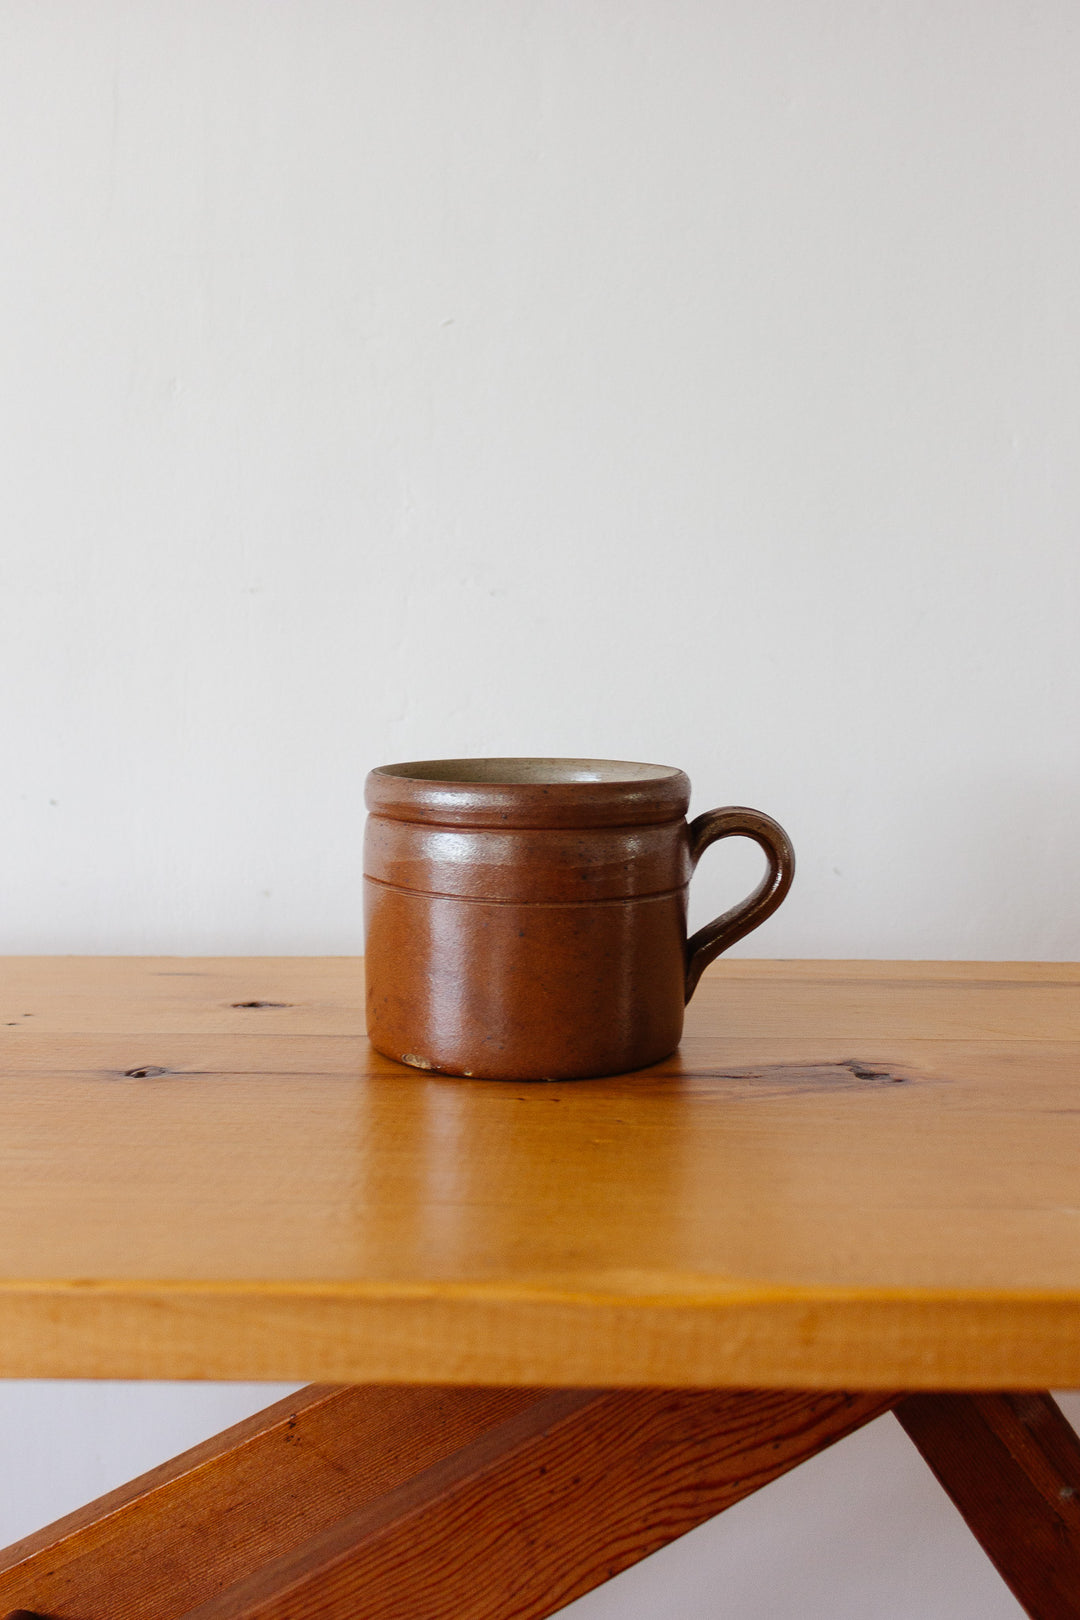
column 1011, row 1463
column 186, row 1531
column 857, row 1175
column 385, row 1501
column 546, row 1506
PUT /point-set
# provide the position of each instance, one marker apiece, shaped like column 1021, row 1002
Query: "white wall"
column 691, row 380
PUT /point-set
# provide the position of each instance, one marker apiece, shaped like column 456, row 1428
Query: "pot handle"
column 736, row 821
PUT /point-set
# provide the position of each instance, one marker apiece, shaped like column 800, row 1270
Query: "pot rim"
column 528, row 791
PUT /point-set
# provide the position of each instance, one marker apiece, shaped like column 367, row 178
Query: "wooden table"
column 556, row 1325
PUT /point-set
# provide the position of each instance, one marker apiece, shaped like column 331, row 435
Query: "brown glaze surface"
column 738, row 822
column 526, row 918
column 562, row 863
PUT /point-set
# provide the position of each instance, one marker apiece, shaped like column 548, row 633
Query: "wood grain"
column 851, row 1175
column 552, row 1503
column 184, row 1532
column 1011, row 1463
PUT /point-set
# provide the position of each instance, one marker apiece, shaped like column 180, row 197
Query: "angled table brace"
column 470, row 1503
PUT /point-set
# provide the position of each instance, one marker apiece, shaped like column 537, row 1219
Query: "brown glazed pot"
column 526, row 918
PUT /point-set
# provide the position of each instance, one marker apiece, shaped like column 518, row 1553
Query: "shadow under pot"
column 526, row 918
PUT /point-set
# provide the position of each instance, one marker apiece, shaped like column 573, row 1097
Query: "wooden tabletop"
column 861, row 1175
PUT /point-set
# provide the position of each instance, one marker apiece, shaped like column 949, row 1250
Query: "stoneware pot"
column 526, row 918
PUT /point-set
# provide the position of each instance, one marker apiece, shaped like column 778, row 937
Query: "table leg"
column 468, row 1504
column 1011, row 1463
